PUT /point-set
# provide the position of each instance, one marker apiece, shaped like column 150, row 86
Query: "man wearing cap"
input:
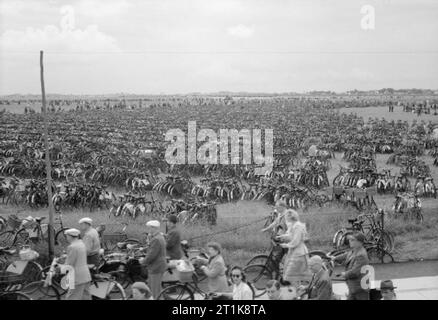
column 90, row 236
column 155, row 260
column 173, row 245
column 77, row 258
column 354, row 260
column 320, row 287
column 387, row 290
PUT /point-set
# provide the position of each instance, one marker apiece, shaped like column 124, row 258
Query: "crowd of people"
column 84, row 249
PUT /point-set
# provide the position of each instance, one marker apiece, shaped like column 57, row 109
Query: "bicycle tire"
column 21, row 238
column 375, row 255
column 176, row 292
column 14, row 295
column 7, row 238
column 38, row 291
column 385, row 237
column 60, row 238
column 117, row 292
column 259, row 259
column 258, row 275
column 336, row 237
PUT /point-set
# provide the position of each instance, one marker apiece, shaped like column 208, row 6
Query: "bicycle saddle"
column 352, row 220
column 39, row 219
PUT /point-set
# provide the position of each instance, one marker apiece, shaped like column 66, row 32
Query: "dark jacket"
column 353, row 264
column 320, row 287
column 155, row 259
column 173, row 246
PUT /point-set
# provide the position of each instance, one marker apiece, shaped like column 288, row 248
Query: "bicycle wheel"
column 60, row 238
column 32, row 272
column 16, row 295
column 336, row 238
column 385, row 237
column 258, row 275
column 21, row 238
column 38, row 291
column 7, row 238
column 107, row 290
column 28, row 271
column 117, row 292
column 176, row 292
column 377, row 255
column 259, row 259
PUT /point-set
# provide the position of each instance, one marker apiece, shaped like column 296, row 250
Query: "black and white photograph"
column 206, row 151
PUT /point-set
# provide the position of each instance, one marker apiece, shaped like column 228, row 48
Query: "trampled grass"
column 413, row 240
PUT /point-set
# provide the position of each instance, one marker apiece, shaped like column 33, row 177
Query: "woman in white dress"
column 296, row 262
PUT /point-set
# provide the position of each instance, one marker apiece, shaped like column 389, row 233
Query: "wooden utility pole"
column 51, row 232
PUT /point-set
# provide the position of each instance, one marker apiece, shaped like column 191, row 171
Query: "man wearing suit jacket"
column 173, row 245
column 320, row 287
column 77, row 258
column 155, row 259
column 354, row 260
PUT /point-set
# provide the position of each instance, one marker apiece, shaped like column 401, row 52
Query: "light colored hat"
column 86, row 220
column 72, row 232
column 153, row 223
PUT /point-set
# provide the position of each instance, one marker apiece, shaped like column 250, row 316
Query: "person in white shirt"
column 90, row 236
column 241, row 290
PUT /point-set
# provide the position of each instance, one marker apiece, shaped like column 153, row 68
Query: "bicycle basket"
column 184, row 271
column 14, row 222
column 10, row 278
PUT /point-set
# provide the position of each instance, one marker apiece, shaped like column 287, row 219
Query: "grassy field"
column 382, row 112
column 413, row 241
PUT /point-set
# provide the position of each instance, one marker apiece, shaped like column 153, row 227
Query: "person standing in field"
column 214, row 268
column 77, row 258
column 155, row 260
column 173, row 239
column 320, row 286
column 296, row 261
column 279, row 222
column 90, row 237
column 354, row 260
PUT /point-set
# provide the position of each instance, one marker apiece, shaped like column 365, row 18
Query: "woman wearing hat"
column 387, row 290
column 354, row 260
column 215, row 269
column 296, row 264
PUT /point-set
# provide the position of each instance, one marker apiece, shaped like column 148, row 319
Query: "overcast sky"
column 180, row 46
